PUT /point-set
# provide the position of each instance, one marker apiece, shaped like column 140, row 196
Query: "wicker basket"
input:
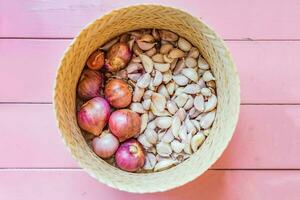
column 136, row 17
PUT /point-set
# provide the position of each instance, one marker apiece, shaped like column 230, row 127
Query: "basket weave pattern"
column 114, row 24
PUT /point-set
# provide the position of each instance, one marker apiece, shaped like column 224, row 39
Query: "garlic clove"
column 175, row 127
column 157, row 112
column 151, row 52
column 151, row 136
column 145, row 46
column 189, row 104
column 144, row 80
column 158, row 78
column 174, row 63
column 134, row 77
column 199, row 103
column 164, row 164
column 190, row 73
column 158, row 58
column 208, row 119
column 167, row 76
column 202, row 64
column 146, row 104
column 147, row 94
column 167, row 59
column 207, row 76
column 181, row 99
column 182, row 133
column 151, row 116
column 180, row 80
column 211, row 103
column 190, row 126
column 172, row 107
column 142, row 139
column 168, row 137
column 164, row 149
column 166, row 48
column 179, row 66
column 201, row 83
column 177, row 146
column 159, row 101
column 134, row 67
column 162, row 67
column 176, row 53
column 181, row 113
column 206, row 92
column 197, row 141
column 192, row 89
column 179, row 91
column 171, row 87
column 147, row 38
column 168, row 35
column 144, row 122
column 136, row 60
column 193, row 113
column 147, row 63
column 183, row 44
column 187, row 144
column 196, row 124
column 137, row 94
column 190, row 62
column 137, row 107
column 150, row 161
column 163, row 122
column 155, row 34
column 193, row 53
column 151, row 125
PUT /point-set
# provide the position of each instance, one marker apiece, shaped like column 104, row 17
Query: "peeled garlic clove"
column 202, row 64
column 189, row 104
column 207, row 76
column 134, row 67
column 193, row 53
column 175, row 127
column 187, row 144
column 201, row 83
column 147, row 38
column 171, row 87
column 197, row 141
column 137, row 94
column 163, row 149
column 190, row 126
column 144, row 45
column 194, row 112
column 199, row 103
column 162, row 67
column 151, row 136
column 134, row 77
column 147, row 63
column 166, row 48
column 168, row 137
column 183, row 44
column 158, row 58
column 151, row 125
column 211, row 103
column 180, row 80
column 155, row 34
column 159, row 101
column 150, row 161
column 164, row 164
column 137, row 107
column 183, row 133
column 146, row 104
column 163, row 122
column 158, row 78
column 151, row 52
column 190, row 62
column 196, row 124
column 172, row 107
column 176, row 53
column 181, row 99
column 167, row 76
column 206, row 92
column 142, row 139
column 167, row 59
column 181, row 113
column 144, row 121
column 168, row 35
column 157, row 112
column 191, row 74
column 192, row 89
column 148, row 94
column 207, row 120
column 163, row 91
column 179, row 66
column 144, row 80
column 177, row 146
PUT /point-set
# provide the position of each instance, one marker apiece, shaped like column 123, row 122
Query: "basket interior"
column 132, row 18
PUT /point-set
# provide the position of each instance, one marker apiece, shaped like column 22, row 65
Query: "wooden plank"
column 272, row 140
column 232, row 19
column 262, row 66
column 214, row 185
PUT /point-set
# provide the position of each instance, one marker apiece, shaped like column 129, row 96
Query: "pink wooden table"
column 263, row 159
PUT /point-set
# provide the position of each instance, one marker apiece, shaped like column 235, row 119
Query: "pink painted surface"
column 232, row 19
column 262, row 65
column 267, row 137
column 213, row 185
column 257, row 140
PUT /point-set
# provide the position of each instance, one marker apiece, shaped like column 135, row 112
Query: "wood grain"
column 267, row 70
column 231, row 19
column 267, row 137
column 213, row 185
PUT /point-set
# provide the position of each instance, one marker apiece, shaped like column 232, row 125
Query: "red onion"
column 89, row 84
column 93, row 115
column 130, row 156
column 96, row 60
column 118, row 57
column 118, row 93
column 124, row 124
column 105, row 145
